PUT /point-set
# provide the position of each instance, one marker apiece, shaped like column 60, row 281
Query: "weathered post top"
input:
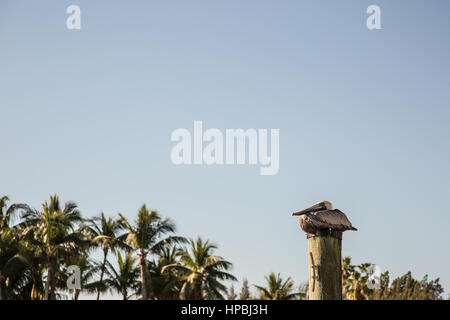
column 324, row 227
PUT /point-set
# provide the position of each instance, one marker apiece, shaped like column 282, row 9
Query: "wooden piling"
column 324, row 255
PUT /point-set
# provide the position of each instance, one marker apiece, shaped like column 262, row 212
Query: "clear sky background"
column 363, row 117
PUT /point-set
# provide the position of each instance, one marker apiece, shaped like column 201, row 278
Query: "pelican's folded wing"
column 333, row 218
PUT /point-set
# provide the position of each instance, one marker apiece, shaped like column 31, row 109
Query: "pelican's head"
column 319, row 206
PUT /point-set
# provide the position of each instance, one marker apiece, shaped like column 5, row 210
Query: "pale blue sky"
column 363, row 117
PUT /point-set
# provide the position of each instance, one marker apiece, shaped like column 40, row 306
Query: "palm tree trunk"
column 50, row 283
column 1, row 287
column 124, row 294
column 47, row 282
column 34, row 287
column 77, row 294
column 105, row 254
column 143, row 282
column 197, row 292
column 53, row 285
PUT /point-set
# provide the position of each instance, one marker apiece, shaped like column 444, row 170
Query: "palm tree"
column 53, row 229
column 104, row 233
column 10, row 259
column 33, row 257
column 125, row 277
column 88, row 270
column 303, row 291
column 245, row 291
column 201, row 271
column 146, row 237
column 231, row 294
column 11, row 262
column 277, row 289
column 164, row 285
column 7, row 214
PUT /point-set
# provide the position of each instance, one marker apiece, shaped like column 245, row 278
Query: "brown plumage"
column 321, row 216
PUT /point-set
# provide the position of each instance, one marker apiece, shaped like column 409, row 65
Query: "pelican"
column 321, row 216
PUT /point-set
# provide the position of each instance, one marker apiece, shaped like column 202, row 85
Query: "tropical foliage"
column 103, row 232
column 355, row 285
column 125, row 278
column 150, row 262
column 201, row 271
column 277, row 289
column 145, row 259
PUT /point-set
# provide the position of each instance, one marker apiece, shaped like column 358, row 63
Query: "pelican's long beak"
column 316, row 207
